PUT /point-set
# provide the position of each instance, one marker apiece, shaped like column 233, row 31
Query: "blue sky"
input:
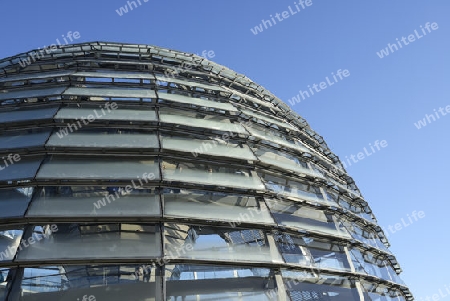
column 381, row 99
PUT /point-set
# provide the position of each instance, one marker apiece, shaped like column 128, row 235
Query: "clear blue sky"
column 380, row 100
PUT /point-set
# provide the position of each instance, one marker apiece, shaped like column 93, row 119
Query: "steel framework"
column 134, row 172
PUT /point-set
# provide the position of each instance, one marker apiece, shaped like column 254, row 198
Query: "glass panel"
column 353, row 206
column 138, row 114
column 184, row 82
column 378, row 292
column 89, row 241
column 306, row 286
column 223, row 244
column 313, row 252
column 365, row 235
column 218, row 146
column 271, row 136
column 112, row 74
column 251, row 99
column 211, row 175
column 292, row 214
column 23, row 139
column 217, row 206
column 367, row 263
column 102, row 282
column 23, row 169
column 54, row 201
column 9, row 242
column 111, row 92
column 30, row 93
column 36, row 76
column 27, row 114
column 197, row 282
column 100, row 168
column 200, row 120
column 295, row 189
column 268, row 119
column 14, row 201
column 283, row 160
column 104, row 138
column 6, row 277
column 197, row 101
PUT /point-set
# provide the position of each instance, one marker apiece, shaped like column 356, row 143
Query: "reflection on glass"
column 218, row 206
column 9, row 243
column 364, row 235
column 307, row 286
column 296, row 215
column 294, row 189
column 225, row 244
column 196, row 282
column 95, row 201
column 6, row 277
column 367, row 263
column 67, row 241
column 208, row 174
column 378, row 292
column 105, row 282
column 78, row 168
column 346, row 203
column 313, row 252
column 14, row 201
column 24, row 169
column 282, row 160
column 29, row 138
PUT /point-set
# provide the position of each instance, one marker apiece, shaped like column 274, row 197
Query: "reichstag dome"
column 133, row 172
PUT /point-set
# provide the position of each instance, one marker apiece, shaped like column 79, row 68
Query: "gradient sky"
column 381, row 99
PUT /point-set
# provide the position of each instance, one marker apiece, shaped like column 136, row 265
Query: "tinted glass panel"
column 54, row 201
column 23, row 169
column 72, row 241
column 111, row 92
column 139, row 114
column 14, row 202
column 27, row 93
column 105, row 139
column 27, row 114
column 101, row 168
column 23, row 139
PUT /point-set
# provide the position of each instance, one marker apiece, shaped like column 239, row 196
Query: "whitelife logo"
column 280, row 17
column 71, row 127
column 430, row 118
column 48, row 49
column 399, row 226
column 10, row 160
column 411, row 38
column 124, row 9
column 319, row 87
column 365, row 153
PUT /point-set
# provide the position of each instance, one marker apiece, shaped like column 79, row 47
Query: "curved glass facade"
column 133, row 172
